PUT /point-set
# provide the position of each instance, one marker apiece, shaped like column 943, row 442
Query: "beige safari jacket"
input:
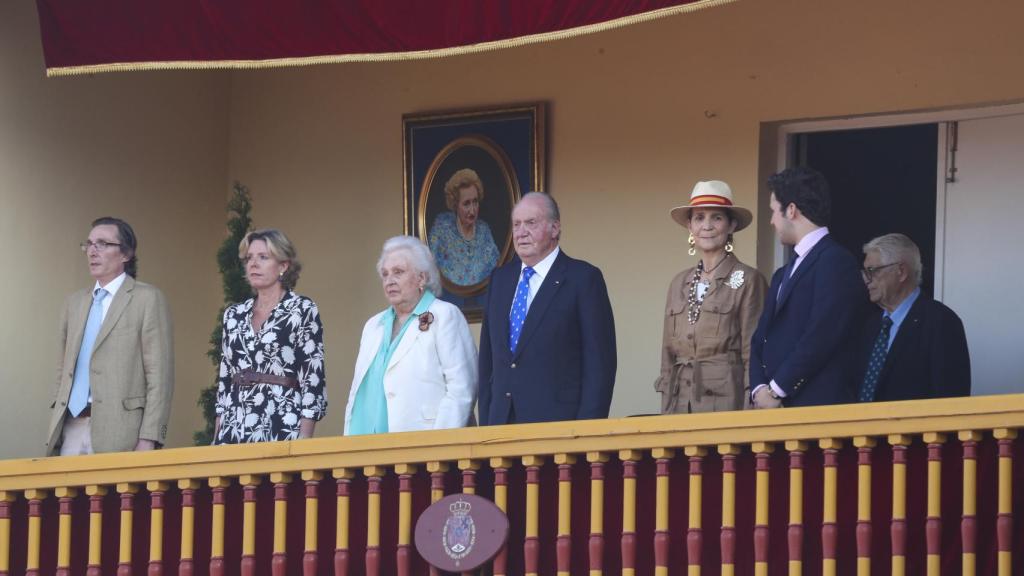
column 704, row 366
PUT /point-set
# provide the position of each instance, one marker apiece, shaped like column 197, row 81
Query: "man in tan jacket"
column 115, row 376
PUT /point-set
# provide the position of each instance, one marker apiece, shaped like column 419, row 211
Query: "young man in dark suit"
column 547, row 345
column 916, row 347
column 801, row 352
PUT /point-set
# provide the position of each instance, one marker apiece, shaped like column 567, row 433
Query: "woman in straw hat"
column 711, row 311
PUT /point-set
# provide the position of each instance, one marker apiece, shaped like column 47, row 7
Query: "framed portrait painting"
column 463, row 173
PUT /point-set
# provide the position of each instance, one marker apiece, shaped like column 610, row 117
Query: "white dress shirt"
column 112, row 287
column 540, row 271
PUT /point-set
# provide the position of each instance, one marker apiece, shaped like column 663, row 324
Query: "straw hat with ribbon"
column 712, row 194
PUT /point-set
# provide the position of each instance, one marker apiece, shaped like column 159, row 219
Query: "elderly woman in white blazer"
column 417, row 364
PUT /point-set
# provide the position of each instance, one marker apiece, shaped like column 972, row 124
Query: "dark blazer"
column 806, row 336
column 927, row 359
column 564, row 365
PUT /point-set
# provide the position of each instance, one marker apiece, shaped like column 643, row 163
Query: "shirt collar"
column 113, row 286
column 542, row 267
column 809, row 241
column 901, row 311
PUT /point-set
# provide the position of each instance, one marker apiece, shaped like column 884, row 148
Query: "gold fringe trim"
column 389, row 56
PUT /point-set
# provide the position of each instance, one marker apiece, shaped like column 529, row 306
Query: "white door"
column 981, row 235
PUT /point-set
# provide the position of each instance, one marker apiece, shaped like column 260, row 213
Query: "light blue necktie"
column 518, row 314
column 80, row 385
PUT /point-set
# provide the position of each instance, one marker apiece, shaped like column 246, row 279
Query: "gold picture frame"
column 504, row 147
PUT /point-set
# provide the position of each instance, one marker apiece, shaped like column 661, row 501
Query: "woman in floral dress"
column 271, row 382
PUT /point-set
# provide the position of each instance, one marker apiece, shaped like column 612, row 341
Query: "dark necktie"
column 786, row 273
column 876, row 361
column 518, row 314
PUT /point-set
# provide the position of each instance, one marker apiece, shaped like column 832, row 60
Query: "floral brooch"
column 735, row 279
column 426, row 319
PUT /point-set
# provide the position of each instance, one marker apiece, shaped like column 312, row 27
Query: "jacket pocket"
column 134, row 403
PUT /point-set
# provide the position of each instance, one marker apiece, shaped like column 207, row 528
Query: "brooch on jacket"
column 426, row 319
column 735, row 279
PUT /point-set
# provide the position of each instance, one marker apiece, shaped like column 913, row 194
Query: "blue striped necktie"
column 80, row 385
column 518, row 314
column 876, row 361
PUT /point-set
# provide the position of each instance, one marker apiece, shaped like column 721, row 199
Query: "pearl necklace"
column 693, row 303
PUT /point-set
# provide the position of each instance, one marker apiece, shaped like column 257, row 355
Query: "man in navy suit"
column 547, row 345
column 801, row 352
column 916, row 347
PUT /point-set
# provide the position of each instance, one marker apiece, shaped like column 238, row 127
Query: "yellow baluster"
column 563, row 540
column 469, row 468
column 796, row 449
column 727, row 540
column 629, row 459
column 250, row 483
column 663, row 461
column 96, row 494
column 35, row 523
column 279, row 559
column 127, row 492
column 864, row 445
column 500, row 467
column 310, row 556
column 405, row 473
column 829, row 532
column 156, row 525
column 531, row 547
column 218, row 484
column 898, row 530
column 694, row 535
column 343, row 478
column 6, row 499
column 374, row 476
column 66, row 496
column 1004, row 520
column 188, row 487
column 933, row 522
column 596, row 552
column 762, row 460
column 968, row 525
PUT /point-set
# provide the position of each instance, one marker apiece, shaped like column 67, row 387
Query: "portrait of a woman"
column 461, row 242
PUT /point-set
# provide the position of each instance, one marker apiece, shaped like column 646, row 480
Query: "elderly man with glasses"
column 116, row 371
column 915, row 347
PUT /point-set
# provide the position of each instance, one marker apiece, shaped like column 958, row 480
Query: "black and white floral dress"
column 289, row 344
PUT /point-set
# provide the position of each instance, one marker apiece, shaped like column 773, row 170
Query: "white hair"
column 898, row 248
column 419, row 256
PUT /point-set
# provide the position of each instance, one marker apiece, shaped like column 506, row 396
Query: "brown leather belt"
column 248, row 378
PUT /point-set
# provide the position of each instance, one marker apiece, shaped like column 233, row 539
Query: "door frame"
column 785, row 154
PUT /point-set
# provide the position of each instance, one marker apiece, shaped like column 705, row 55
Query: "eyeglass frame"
column 99, row 245
column 868, row 272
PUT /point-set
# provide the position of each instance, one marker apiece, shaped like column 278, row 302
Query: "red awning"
column 111, row 35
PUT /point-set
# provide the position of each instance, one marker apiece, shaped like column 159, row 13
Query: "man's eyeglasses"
column 99, row 245
column 869, row 272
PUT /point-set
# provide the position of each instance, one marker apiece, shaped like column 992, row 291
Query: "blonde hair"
column 461, row 179
column 280, row 247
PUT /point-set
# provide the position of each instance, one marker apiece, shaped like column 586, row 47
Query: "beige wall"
column 629, row 134
column 151, row 148
column 636, row 116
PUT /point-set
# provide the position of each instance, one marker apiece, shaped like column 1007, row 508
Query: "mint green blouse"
column 370, row 410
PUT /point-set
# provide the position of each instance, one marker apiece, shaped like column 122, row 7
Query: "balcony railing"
column 902, row 488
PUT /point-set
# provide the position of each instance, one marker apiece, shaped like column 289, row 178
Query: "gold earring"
column 728, row 244
column 693, row 243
